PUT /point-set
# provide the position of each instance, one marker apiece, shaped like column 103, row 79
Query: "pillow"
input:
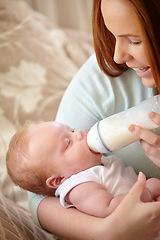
column 36, row 65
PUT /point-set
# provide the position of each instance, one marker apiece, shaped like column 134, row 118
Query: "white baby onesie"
column 116, row 178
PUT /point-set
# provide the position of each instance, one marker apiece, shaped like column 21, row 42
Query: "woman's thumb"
column 139, row 186
column 142, row 177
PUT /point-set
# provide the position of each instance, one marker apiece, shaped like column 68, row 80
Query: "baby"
column 51, row 156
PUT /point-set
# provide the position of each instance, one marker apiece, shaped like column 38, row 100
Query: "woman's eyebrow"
column 127, row 35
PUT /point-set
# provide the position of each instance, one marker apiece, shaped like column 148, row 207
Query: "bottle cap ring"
column 101, row 146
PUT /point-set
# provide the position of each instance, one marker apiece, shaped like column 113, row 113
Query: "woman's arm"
column 132, row 219
column 67, row 223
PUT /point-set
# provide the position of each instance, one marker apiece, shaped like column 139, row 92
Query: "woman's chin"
column 148, row 82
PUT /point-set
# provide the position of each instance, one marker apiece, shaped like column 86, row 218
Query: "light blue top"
column 92, row 96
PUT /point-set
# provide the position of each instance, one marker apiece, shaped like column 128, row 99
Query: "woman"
column 127, row 46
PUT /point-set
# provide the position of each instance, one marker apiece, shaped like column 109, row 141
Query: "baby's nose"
column 79, row 135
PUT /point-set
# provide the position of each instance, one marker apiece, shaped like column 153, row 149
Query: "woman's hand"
column 134, row 219
column 149, row 141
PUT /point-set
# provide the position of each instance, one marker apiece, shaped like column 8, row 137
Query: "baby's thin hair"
column 25, row 175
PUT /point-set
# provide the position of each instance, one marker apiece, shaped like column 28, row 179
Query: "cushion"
column 36, row 65
column 17, row 224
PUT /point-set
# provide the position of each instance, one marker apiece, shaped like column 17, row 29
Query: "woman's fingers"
column 149, row 140
column 155, row 117
column 138, row 188
column 142, row 219
column 145, row 135
column 152, row 152
column 155, row 160
column 150, row 143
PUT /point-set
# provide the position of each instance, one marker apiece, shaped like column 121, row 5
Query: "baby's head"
column 22, row 164
column 41, row 156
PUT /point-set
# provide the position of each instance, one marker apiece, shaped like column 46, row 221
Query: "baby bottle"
column 112, row 133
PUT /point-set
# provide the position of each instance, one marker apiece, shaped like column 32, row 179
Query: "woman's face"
column 123, row 23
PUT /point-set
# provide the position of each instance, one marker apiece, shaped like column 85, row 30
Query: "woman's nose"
column 121, row 55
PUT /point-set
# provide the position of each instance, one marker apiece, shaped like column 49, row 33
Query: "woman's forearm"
column 68, row 223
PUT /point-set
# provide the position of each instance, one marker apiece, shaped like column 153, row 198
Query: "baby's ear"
column 54, row 182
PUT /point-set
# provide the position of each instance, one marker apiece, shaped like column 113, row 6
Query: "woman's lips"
column 143, row 69
column 142, row 72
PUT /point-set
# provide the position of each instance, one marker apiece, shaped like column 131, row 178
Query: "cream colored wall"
column 66, row 13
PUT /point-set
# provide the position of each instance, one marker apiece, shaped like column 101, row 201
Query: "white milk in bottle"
column 112, row 133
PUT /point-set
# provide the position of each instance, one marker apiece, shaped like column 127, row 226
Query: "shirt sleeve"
column 34, row 201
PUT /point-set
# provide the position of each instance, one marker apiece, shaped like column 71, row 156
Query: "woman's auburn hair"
column 148, row 13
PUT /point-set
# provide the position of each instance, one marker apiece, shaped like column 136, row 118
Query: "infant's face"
column 61, row 149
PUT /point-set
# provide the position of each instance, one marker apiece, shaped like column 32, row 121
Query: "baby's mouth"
column 94, row 152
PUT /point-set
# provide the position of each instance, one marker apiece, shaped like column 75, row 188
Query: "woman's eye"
column 135, row 42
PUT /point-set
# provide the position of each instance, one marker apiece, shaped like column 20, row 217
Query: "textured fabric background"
column 75, row 14
column 36, row 65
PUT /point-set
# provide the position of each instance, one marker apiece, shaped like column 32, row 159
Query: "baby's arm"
column 93, row 199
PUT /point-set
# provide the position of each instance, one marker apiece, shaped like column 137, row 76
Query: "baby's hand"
column 157, row 199
column 146, row 196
